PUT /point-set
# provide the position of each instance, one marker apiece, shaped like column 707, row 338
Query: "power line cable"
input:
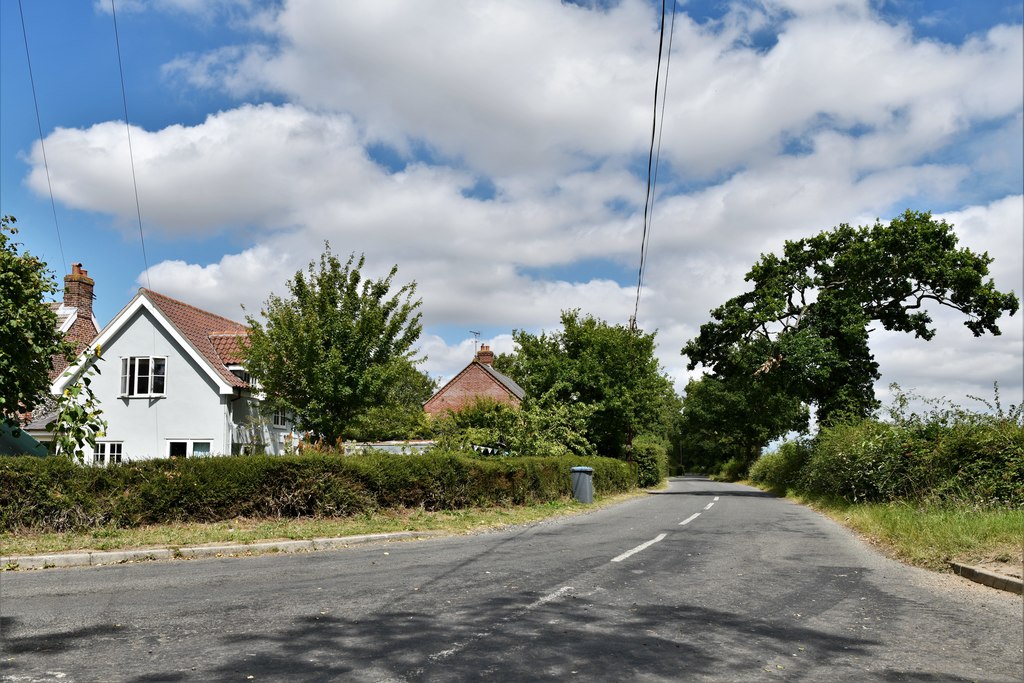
column 650, row 173
column 42, row 144
column 131, row 154
column 657, row 155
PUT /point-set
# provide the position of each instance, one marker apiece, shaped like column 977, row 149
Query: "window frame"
column 190, row 445
column 281, row 419
column 108, row 453
column 133, row 381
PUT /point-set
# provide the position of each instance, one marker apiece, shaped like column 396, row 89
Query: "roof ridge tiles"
column 153, row 293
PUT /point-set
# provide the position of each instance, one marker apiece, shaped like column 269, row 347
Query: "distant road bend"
column 700, row 582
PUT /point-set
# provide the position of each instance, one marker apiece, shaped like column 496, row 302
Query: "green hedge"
column 976, row 460
column 960, row 458
column 53, row 494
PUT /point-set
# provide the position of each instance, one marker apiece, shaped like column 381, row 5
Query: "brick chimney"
column 78, row 291
column 78, row 294
column 485, row 355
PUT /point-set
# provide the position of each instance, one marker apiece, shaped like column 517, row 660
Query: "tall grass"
column 931, row 535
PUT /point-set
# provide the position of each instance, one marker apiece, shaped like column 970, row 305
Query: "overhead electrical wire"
column 131, row 154
column 653, row 158
column 42, row 143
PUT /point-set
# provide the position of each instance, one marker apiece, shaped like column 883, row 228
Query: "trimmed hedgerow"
column 53, row 494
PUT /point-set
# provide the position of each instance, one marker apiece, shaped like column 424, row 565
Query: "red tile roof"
column 228, row 346
column 215, row 337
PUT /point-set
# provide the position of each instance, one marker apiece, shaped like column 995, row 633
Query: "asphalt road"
column 704, row 581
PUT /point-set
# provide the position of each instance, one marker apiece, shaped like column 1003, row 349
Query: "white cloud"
column 551, row 103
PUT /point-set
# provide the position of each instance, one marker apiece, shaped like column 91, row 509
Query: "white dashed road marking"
column 637, row 549
column 689, row 519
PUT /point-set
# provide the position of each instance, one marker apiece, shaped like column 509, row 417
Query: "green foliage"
column 803, row 327
column 609, row 368
column 780, row 470
column 337, row 347
column 732, row 469
column 399, row 415
column 54, row 494
column 650, row 456
column 727, row 418
column 537, row 427
column 945, row 455
column 28, row 328
column 79, row 420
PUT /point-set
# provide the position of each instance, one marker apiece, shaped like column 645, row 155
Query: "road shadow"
column 724, row 494
column 515, row 639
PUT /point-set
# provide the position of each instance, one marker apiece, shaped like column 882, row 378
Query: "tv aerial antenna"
column 476, row 340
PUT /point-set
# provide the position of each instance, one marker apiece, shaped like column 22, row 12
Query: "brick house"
column 478, row 380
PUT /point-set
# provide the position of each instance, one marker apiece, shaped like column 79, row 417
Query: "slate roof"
column 505, row 380
column 215, row 337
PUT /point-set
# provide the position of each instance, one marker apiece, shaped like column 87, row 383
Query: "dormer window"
column 241, row 373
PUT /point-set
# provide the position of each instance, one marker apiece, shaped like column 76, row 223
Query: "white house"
column 172, row 385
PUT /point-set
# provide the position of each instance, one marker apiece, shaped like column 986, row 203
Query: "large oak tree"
column 803, row 327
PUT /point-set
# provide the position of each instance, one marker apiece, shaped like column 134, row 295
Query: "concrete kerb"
column 98, row 558
column 987, row 578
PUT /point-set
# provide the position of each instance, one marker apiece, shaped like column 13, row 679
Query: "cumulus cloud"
column 837, row 116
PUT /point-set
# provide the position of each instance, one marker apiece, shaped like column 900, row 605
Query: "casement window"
column 107, row 452
column 186, row 449
column 143, row 375
column 281, row 418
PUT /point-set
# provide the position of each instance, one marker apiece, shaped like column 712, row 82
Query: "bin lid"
column 582, row 469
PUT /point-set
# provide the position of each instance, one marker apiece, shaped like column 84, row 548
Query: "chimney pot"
column 485, row 355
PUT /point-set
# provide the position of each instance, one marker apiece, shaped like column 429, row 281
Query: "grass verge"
column 929, row 536
column 255, row 530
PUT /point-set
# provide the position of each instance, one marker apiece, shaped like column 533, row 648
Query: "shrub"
column 947, row 455
column 781, row 470
column 733, row 469
column 650, row 456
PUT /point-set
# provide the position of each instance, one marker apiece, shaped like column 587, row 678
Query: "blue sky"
column 496, row 152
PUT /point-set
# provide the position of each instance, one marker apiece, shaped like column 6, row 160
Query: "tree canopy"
column 338, row 346
column 803, row 327
column 29, row 337
column 734, row 419
column 610, row 368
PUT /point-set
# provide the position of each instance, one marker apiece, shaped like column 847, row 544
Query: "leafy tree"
column 335, row 348
column 803, row 327
column 79, row 418
column 400, row 414
column 735, row 418
column 610, row 368
column 28, row 328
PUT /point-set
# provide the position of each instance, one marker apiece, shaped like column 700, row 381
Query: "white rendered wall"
column 191, row 409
